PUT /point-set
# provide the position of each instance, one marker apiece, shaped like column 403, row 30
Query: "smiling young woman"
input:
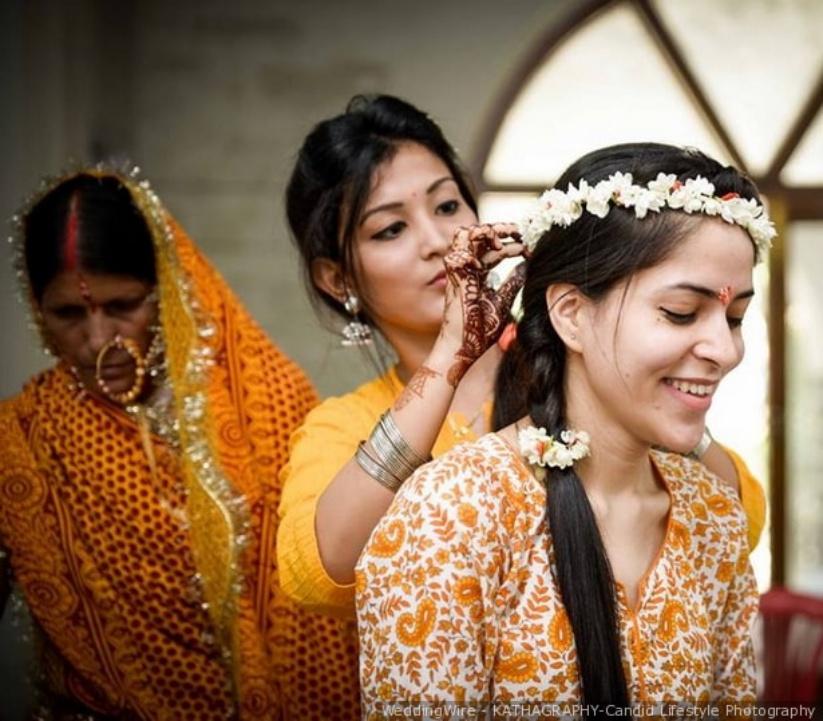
column 563, row 558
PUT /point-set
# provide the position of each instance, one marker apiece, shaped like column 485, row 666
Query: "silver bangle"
column 394, row 435
column 387, row 453
column 386, row 456
column 377, row 471
column 701, row 448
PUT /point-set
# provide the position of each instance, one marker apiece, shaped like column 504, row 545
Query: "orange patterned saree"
column 152, row 572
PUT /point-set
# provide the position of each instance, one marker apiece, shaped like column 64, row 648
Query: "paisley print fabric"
column 457, row 602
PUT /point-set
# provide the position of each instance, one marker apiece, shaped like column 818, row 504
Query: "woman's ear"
column 46, row 335
column 328, row 277
column 566, row 304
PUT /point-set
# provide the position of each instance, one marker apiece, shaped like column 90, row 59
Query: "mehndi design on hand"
column 414, row 388
column 485, row 311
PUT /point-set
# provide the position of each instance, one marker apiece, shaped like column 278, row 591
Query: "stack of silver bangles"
column 386, row 456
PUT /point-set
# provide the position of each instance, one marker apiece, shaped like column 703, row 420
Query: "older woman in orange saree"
column 138, row 489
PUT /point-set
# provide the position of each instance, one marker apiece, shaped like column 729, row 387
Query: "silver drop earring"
column 355, row 333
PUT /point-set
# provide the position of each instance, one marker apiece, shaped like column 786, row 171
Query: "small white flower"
column 678, row 197
column 712, row 206
column 516, row 310
column 578, row 194
column 644, row 201
column 693, row 203
column 562, row 209
column 621, row 181
column 543, row 450
column 628, row 195
column 700, row 186
column 570, row 437
column 738, row 210
column 558, row 456
column 663, row 184
column 599, row 197
column 533, row 444
column 763, row 232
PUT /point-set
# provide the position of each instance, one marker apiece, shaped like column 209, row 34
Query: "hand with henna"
column 475, row 314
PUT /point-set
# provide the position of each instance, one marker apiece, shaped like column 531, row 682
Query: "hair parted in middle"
column 86, row 223
column 595, row 255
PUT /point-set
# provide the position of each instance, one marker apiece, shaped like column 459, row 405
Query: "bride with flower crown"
column 562, row 558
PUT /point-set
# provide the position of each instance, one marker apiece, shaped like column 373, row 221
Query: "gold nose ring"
column 133, row 349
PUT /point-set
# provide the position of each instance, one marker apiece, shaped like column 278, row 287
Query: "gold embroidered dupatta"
column 148, row 619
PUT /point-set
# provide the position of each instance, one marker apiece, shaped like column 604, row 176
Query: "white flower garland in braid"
column 541, row 449
column 696, row 195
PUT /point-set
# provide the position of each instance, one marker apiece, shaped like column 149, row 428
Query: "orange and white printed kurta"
column 457, row 600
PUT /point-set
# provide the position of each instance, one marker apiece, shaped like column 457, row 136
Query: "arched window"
column 744, row 82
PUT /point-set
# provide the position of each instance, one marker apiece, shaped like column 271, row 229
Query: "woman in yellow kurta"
column 562, row 559
column 138, row 512
column 374, row 202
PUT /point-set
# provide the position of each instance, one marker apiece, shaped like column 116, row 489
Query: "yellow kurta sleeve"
column 319, row 449
column 752, row 496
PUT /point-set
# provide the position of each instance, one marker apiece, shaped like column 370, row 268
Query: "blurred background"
column 212, row 100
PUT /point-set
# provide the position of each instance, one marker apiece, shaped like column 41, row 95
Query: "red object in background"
column 792, row 647
column 507, row 337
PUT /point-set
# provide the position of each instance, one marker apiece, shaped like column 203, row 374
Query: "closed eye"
column 117, row 307
column 68, row 312
column 678, row 318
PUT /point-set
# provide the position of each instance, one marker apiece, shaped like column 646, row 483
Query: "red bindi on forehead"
column 85, row 292
column 724, row 295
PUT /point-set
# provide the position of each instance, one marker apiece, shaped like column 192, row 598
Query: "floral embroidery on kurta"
column 457, row 600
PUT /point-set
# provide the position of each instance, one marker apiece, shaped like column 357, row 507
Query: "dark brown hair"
column 594, row 254
column 90, row 222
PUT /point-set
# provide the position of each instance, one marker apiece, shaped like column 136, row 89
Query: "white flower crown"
column 696, row 195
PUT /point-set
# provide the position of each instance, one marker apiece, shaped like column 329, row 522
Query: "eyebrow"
column 708, row 292
column 394, row 206
column 51, row 307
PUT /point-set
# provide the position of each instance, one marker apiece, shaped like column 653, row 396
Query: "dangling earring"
column 355, row 333
column 155, row 355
